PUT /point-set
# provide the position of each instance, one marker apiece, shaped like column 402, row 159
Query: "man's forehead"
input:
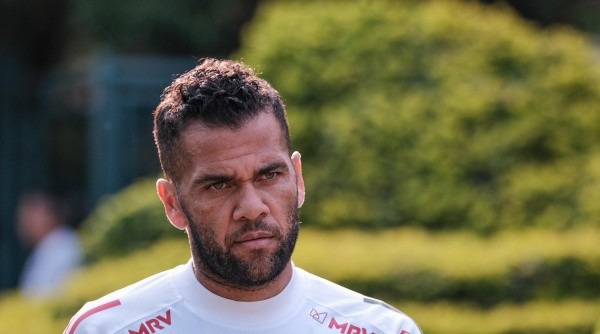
column 258, row 141
column 232, row 124
column 197, row 133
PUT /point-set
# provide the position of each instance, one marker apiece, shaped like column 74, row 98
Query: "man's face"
column 239, row 200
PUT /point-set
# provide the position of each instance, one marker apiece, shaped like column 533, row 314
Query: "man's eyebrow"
column 211, row 178
column 218, row 177
column 273, row 166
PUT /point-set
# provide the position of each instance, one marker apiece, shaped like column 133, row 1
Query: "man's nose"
column 250, row 204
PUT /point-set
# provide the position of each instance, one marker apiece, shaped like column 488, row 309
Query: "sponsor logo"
column 153, row 325
column 341, row 326
column 318, row 316
column 347, row 328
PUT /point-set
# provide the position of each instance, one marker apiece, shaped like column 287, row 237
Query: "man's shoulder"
column 127, row 305
column 349, row 306
column 325, row 292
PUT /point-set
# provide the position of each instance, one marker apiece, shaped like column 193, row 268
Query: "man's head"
column 38, row 214
column 216, row 93
column 231, row 182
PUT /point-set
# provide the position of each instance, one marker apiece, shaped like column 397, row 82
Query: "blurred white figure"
column 56, row 249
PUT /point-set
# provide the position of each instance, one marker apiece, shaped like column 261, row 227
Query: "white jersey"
column 175, row 302
column 50, row 264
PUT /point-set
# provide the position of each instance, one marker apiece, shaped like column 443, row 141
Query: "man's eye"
column 218, row 186
column 270, row 175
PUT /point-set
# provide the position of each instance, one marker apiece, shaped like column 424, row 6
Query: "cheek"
column 283, row 201
column 213, row 218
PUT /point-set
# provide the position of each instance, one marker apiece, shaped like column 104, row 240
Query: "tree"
column 442, row 114
column 582, row 14
column 183, row 27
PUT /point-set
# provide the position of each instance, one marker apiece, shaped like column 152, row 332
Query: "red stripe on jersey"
column 96, row 309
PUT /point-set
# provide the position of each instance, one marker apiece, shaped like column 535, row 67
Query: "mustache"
column 253, row 226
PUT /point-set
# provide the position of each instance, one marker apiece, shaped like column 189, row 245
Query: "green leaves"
column 132, row 219
column 443, row 114
column 182, row 27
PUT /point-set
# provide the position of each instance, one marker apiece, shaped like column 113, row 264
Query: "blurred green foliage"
column 583, row 14
column 437, row 114
column 552, row 280
column 188, row 27
column 132, row 219
column 442, row 114
column 458, row 267
column 468, row 301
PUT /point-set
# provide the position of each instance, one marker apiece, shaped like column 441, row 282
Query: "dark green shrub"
column 131, row 219
column 443, row 114
column 187, row 27
column 547, row 279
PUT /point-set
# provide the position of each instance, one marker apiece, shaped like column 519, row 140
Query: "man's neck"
column 228, row 291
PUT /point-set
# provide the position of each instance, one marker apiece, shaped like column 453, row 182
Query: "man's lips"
column 255, row 239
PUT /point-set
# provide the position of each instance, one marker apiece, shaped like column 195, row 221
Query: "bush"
column 550, row 280
column 443, row 114
column 535, row 317
column 457, row 267
column 178, row 27
column 442, row 290
column 129, row 220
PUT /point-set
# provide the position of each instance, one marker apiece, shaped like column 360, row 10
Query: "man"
column 56, row 250
column 232, row 185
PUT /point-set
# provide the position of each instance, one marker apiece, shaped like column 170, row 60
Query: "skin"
column 36, row 220
column 239, row 194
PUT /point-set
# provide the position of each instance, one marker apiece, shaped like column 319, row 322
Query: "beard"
column 222, row 265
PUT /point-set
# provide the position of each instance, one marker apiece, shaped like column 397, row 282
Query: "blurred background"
column 453, row 146
column 79, row 82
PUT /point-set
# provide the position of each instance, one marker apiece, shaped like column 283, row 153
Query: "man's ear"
column 168, row 196
column 297, row 163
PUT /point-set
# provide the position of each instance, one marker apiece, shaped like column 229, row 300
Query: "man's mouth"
column 255, row 239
